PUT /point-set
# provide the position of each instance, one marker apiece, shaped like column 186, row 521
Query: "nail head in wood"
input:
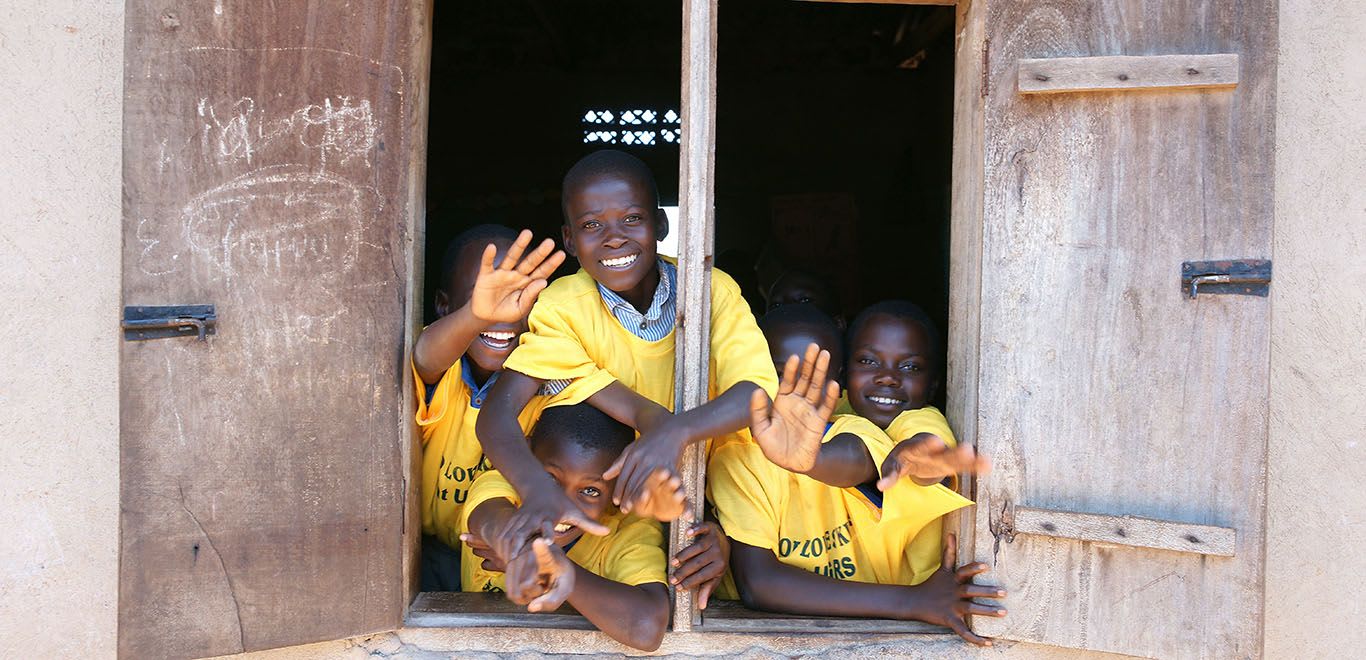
column 1056, row 75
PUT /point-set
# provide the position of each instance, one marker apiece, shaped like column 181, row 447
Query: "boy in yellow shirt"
column 487, row 289
column 615, row 580
column 610, row 328
column 810, row 531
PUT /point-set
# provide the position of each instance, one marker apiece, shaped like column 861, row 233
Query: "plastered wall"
column 61, row 63
column 1316, row 527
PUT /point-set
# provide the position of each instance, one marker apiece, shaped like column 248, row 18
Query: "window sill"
column 479, row 610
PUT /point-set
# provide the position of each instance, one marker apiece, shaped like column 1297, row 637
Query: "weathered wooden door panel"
column 1101, row 388
column 266, row 171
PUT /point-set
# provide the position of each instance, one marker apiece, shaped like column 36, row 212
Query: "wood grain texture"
column 890, row 2
column 697, row 188
column 965, row 245
column 1052, row 75
column 1125, row 530
column 1100, row 387
column 267, row 170
column 731, row 616
column 443, row 609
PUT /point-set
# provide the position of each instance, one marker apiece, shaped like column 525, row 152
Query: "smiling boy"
column 610, row 329
column 615, row 580
column 486, row 290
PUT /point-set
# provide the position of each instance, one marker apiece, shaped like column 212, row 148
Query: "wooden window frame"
column 696, row 202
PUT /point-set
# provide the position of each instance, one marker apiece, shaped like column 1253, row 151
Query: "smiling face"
column 612, row 226
column 891, row 368
column 493, row 346
column 578, row 470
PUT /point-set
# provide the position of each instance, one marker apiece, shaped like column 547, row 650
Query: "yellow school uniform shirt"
column 927, row 549
column 631, row 553
column 451, row 454
column 573, row 335
column 840, row 533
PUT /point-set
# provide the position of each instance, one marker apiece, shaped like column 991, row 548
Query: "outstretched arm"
column 944, row 599
column 789, row 429
column 544, row 504
column 504, row 293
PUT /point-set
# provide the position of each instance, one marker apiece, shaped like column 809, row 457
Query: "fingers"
column 547, row 267
column 760, row 408
column 698, row 571
column 815, row 390
column 981, row 591
column 614, row 470
column 950, row 559
column 694, row 549
column 705, row 592
column 486, row 259
column 551, row 568
column 831, row 401
column 536, row 257
column 588, row 525
column 788, row 381
column 978, row 609
column 514, row 255
column 961, row 628
column 808, row 367
column 964, row 574
column 545, row 562
column 527, row 298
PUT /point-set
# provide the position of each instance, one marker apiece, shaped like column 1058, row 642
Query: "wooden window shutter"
column 268, row 171
column 1128, row 422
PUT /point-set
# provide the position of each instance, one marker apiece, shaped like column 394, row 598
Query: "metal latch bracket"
column 1245, row 277
column 142, row 322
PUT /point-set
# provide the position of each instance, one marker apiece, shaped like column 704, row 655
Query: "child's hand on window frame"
column 702, row 565
column 789, row 428
column 946, row 598
column 505, row 293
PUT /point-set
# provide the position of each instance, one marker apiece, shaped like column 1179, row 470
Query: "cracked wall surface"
column 61, row 105
column 1317, row 452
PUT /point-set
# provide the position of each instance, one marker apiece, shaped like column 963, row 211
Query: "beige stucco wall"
column 61, row 63
column 60, row 110
column 1315, row 522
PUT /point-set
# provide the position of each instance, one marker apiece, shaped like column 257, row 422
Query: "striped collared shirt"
column 657, row 321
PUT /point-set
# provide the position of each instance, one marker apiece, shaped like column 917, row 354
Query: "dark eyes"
column 591, row 224
column 590, row 491
column 910, row 366
column 632, row 219
column 867, row 361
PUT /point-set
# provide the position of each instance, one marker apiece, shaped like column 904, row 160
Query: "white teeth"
column 563, row 527
column 619, row 261
column 884, row 401
column 499, row 336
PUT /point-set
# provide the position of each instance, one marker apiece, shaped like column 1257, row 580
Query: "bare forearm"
column 727, row 413
column 489, row 517
column 628, row 407
column 443, row 342
column 636, row 616
column 844, row 462
column 501, row 434
column 768, row 584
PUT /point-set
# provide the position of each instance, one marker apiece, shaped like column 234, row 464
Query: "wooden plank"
column 1125, row 530
column 695, row 240
column 480, row 610
column 731, row 616
column 965, row 248
column 267, row 170
column 1101, row 387
column 1053, row 75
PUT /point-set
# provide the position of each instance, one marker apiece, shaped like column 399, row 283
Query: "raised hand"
column 542, row 578
column 537, row 517
column 652, row 457
column 663, row 498
column 789, row 429
column 926, row 458
column 701, row 565
column 946, row 598
column 505, row 294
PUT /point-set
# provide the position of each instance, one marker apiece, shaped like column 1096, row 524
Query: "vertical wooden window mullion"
column 696, row 217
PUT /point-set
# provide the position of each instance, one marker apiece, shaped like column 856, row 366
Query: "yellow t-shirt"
column 840, row 533
column 574, row 336
column 631, row 553
column 451, row 454
column 927, row 549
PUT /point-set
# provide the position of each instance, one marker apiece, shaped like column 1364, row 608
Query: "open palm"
column 789, row 429
column 506, row 292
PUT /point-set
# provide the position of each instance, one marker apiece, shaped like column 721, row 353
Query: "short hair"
column 583, row 425
column 821, row 284
column 485, row 234
column 608, row 162
column 904, row 310
column 802, row 315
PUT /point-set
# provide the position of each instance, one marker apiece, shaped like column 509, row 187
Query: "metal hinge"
column 158, row 321
column 1245, row 277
